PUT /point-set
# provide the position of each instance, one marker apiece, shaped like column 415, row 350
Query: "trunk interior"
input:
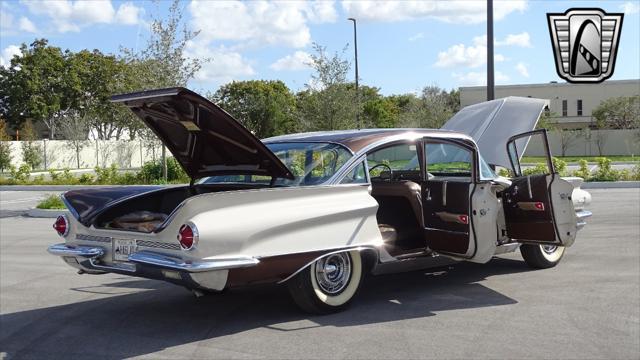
column 148, row 211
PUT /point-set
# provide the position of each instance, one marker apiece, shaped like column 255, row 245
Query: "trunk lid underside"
column 202, row 137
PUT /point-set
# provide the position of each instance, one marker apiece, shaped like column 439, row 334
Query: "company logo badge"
column 585, row 43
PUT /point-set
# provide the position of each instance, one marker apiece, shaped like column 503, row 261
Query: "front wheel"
column 329, row 284
column 541, row 256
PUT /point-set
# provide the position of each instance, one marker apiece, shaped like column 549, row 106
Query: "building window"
column 579, row 108
column 564, row 107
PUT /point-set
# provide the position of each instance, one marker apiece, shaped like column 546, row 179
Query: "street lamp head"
column 352, row 19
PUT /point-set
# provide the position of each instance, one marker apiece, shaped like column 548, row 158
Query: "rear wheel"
column 541, row 256
column 329, row 284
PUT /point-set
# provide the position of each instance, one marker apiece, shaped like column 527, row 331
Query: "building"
column 570, row 104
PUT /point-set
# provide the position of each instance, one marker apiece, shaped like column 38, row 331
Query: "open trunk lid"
column 492, row 123
column 202, row 137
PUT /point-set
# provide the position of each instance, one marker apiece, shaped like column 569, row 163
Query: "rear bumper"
column 210, row 275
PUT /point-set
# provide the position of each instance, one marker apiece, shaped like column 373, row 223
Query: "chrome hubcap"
column 549, row 249
column 333, row 272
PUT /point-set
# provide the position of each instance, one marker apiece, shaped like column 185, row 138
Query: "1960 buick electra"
column 318, row 211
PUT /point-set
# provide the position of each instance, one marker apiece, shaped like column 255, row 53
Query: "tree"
column 31, row 149
column 75, row 128
column 618, row 113
column 162, row 63
column 36, row 86
column 568, row 137
column 267, row 108
column 327, row 103
column 5, row 146
column 431, row 109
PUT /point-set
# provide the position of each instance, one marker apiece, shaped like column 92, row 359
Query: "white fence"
column 612, row 142
column 60, row 154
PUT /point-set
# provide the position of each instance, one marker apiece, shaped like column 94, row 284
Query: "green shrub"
column 635, row 173
column 583, row 171
column 106, row 175
column 605, row 172
column 560, row 166
column 86, row 178
column 151, row 172
column 51, row 202
column 21, row 175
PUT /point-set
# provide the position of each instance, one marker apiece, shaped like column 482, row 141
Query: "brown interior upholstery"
column 399, row 214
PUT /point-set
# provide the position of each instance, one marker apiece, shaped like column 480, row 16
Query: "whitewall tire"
column 329, row 284
column 542, row 256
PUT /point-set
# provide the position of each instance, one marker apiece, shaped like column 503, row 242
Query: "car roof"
column 356, row 140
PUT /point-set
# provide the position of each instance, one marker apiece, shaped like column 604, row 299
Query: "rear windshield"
column 310, row 164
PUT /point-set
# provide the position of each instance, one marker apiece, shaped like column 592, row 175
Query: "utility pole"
column 355, row 46
column 490, row 76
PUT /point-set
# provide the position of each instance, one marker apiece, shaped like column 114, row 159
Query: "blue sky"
column 403, row 46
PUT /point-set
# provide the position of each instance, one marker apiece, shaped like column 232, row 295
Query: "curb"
column 611, row 185
column 46, row 213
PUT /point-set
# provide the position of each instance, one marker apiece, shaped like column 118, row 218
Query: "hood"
column 492, row 123
column 202, row 137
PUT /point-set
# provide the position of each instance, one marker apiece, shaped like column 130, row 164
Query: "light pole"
column 355, row 47
column 490, row 79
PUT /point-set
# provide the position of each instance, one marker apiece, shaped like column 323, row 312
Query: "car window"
column 356, row 176
column 444, row 159
column 310, row 164
column 398, row 158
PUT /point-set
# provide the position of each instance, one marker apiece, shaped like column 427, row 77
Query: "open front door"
column 448, row 182
column 538, row 207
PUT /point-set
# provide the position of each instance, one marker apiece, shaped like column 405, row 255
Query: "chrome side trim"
column 358, row 248
column 87, row 237
column 168, row 262
column 157, row 244
column 82, row 251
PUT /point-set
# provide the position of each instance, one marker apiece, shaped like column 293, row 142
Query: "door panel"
column 538, row 208
column 527, row 209
column 446, row 215
column 448, row 180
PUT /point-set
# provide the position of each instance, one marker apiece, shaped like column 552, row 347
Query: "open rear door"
column 538, row 207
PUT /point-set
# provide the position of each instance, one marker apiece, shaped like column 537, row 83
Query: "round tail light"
column 61, row 225
column 188, row 236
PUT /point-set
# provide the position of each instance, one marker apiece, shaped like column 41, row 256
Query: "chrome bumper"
column 582, row 217
column 194, row 274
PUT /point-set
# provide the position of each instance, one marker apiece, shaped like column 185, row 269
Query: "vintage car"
column 318, row 211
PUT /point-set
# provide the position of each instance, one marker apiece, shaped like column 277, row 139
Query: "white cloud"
column 522, row 69
column 259, row 23
column 224, row 65
column 630, row 8
column 26, row 25
column 128, row 14
column 67, row 15
column 8, row 53
column 299, row 60
column 416, row 37
column 478, row 78
column 468, row 56
column 462, row 12
column 521, row 40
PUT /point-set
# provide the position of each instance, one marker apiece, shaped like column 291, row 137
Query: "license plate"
column 122, row 248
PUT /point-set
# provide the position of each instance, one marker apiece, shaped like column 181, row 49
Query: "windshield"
column 310, row 163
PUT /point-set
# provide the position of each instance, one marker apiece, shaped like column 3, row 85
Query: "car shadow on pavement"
column 160, row 315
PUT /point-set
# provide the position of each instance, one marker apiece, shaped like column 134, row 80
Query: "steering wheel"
column 383, row 165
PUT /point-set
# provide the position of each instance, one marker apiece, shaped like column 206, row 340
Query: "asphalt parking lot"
column 587, row 307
